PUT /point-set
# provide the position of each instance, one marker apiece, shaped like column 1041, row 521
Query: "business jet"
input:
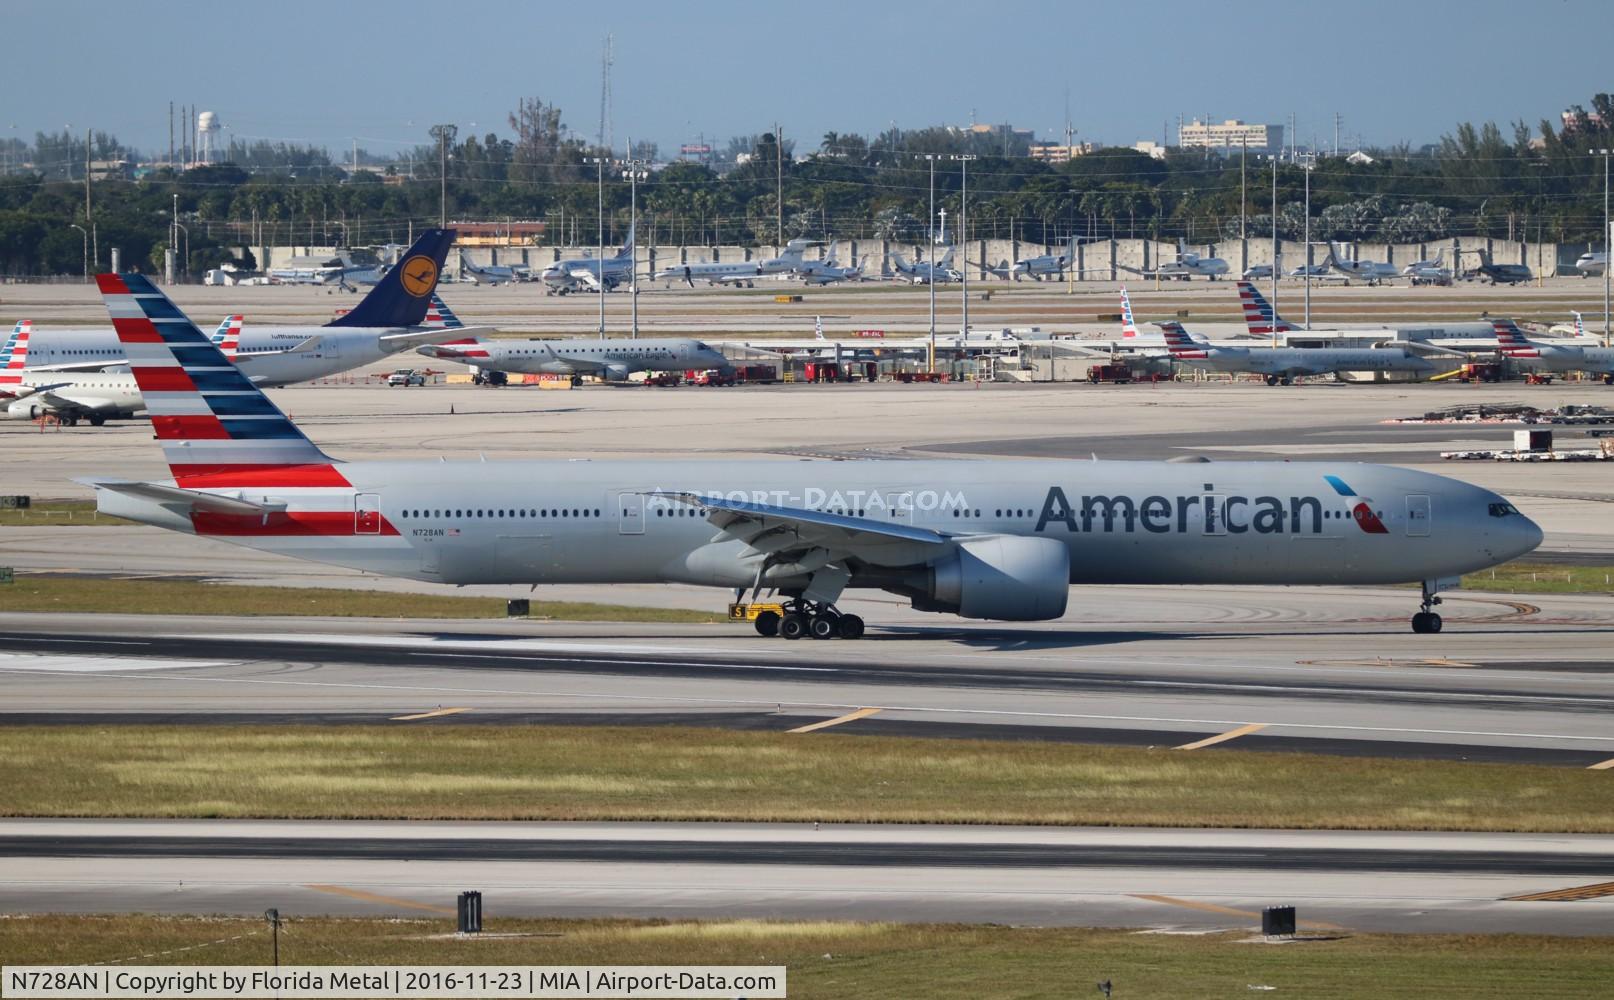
column 1499, row 274
column 493, row 274
column 600, row 274
column 1593, row 264
column 387, row 320
column 926, row 272
column 1371, row 271
column 1048, row 265
column 996, row 540
column 1514, row 343
column 1184, row 266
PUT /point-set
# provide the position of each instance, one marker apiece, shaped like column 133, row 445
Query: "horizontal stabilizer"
column 433, row 335
column 191, row 499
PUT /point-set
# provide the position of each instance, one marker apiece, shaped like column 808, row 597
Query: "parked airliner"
column 997, row 540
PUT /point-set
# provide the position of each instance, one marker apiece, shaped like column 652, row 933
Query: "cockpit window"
column 702, row 345
column 1502, row 509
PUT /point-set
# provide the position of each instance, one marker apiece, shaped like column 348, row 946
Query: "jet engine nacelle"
column 1002, row 577
column 615, row 373
column 24, row 410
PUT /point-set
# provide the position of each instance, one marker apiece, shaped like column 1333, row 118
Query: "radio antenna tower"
column 606, row 59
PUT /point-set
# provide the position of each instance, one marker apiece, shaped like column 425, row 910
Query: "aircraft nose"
column 1524, row 535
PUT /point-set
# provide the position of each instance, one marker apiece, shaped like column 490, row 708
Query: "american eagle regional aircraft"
column 997, row 540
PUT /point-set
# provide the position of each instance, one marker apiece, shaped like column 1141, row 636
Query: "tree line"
column 1544, row 182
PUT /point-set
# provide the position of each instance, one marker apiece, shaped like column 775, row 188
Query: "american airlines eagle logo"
column 1362, row 511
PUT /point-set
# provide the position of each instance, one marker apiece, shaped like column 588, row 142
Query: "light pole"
column 185, row 265
column 634, row 172
column 963, row 240
column 930, row 258
column 444, row 134
column 1608, row 238
column 599, row 256
column 1310, row 161
column 86, row 235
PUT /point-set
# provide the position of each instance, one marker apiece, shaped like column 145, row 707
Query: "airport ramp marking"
column 1575, row 893
column 433, row 714
column 1231, row 734
column 861, row 713
column 1227, row 911
column 372, row 897
column 1602, row 765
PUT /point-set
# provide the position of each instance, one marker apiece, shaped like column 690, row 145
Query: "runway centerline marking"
column 1575, row 893
column 1194, row 904
column 1231, row 734
column 1602, row 765
column 371, row 897
column 861, row 713
column 433, row 714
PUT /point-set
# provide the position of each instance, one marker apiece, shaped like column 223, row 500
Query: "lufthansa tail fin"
column 400, row 297
column 216, row 427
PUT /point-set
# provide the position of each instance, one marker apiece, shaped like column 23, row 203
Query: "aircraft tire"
column 850, row 627
column 767, row 624
column 97, row 421
column 1272, row 380
column 1426, row 623
column 793, row 626
column 824, row 626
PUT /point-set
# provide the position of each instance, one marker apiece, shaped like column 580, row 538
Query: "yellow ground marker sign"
column 1572, row 894
column 371, row 897
column 433, row 714
column 1231, row 734
column 862, row 713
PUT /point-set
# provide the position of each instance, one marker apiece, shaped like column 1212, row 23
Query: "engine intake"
column 1002, row 577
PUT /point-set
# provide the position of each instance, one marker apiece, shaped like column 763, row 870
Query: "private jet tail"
column 1259, row 316
column 217, row 429
column 439, row 316
column 626, row 250
column 400, row 298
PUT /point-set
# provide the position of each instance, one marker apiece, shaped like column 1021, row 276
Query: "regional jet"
column 996, row 540
column 1283, row 364
column 387, row 320
column 613, row 360
column 30, row 394
column 1184, row 266
column 1515, row 344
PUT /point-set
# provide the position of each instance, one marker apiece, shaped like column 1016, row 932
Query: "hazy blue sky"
column 328, row 71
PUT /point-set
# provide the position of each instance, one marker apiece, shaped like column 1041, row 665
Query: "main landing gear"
column 1275, row 379
column 805, row 618
column 1426, row 622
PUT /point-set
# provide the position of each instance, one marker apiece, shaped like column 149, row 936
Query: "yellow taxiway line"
column 371, row 897
column 861, row 713
column 1231, row 734
column 433, row 714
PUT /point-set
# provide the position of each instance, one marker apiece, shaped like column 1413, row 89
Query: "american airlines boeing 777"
column 983, row 539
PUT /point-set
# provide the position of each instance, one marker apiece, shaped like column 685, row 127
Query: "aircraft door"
column 898, row 506
column 1215, row 514
column 630, row 514
column 366, row 514
column 1418, row 516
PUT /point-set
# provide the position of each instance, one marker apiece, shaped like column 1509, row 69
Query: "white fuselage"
column 617, row 357
column 98, row 395
column 1566, row 358
column 1291, row 361
column 265, row 352
column 1121, row 522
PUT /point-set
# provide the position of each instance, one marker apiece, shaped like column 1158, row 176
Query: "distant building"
column 1230, row 135
column 1358, row 159
column 1149, row 147
column 1058, row 152
column 1593, row 119
column 498, row 234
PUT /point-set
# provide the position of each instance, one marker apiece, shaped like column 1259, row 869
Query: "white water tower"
column 207, row 126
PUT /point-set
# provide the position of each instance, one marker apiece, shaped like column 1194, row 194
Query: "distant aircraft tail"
column 1179, row 342
column 1580, row 325
column 1129, row 326
column 16, row 352
column 818, row 327
column 228, row 337
column 1259, row 316
column 1512, row 341
column 216, row 427
column 439, row 316
column 626, row 250
column 400, row 298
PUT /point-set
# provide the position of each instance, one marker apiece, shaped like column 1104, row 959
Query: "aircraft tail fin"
column 1580, row 325
column 1129, row 326
column 1179, row 341
column 626, row 250
column 1511, row 340
column 216, row 427
column 1259, row 315
column 401, row 296
column 16, row 353
column 228, row 337
column 440, row 316
column 818, row 327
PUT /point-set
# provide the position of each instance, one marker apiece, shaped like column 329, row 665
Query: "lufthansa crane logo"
column 418, row 275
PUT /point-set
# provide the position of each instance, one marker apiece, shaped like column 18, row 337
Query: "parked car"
column 406, row 377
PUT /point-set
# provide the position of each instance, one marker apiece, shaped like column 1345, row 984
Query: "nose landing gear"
column 803, row 619
column 1426, row 622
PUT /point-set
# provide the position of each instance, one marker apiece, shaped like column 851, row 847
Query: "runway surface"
column 1094, row 877
column 1508, row 681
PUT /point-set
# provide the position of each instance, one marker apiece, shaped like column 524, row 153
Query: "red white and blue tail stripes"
column 1180, row 343
column 228, row 337
column 15, row 354
column 1512, row 341
column 1129, row 326
column 216, row 427
column 1259, row 316
column 439, row 316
